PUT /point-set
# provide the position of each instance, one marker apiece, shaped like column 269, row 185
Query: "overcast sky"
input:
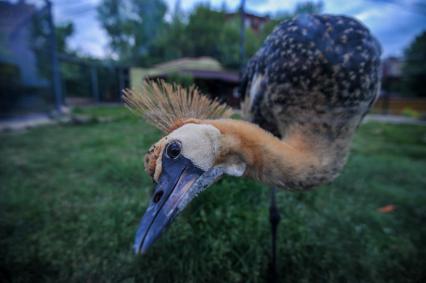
column 394, row 22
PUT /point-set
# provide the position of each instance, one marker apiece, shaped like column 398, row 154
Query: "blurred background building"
column 20, row 77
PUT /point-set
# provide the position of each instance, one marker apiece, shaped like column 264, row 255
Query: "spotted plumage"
column 310, row 68
column 317, row 75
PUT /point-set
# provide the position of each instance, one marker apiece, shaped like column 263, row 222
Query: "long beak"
column 178, row 184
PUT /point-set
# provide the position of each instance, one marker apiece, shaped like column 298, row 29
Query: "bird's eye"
column 173, row 149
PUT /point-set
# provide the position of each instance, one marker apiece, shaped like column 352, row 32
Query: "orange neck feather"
column 296, row 162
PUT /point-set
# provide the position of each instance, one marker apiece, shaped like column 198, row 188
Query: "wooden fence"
column 393, row 105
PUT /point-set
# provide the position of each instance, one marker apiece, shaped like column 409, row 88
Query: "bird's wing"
column 313, row 71
column 252, row 92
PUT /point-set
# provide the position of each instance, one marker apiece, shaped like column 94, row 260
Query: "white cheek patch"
column 200, row 143
column 158, row 167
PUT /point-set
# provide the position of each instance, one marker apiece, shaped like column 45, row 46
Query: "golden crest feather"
column 163, row 104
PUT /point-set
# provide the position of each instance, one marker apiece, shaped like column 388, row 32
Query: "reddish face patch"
column 150, row 159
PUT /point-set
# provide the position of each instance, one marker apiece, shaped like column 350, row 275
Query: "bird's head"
column 185, row 161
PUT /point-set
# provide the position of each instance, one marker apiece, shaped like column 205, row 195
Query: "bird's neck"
column 298, row 161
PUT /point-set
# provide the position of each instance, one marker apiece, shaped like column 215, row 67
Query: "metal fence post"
column 94, row 82
column 56, row 76
column 120, row 81
column 242, row 33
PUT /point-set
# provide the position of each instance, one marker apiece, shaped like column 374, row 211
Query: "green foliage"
column 10, row 86
column 170, row 43
column 392, row 85
column 204, row 32
column 414, row 68
column 410, row 113
column 205, row 25
column 13, row 91
column 132, row 26
column 180, row 79
column 74, row 76
column 71, row 198
column 41, row 42
column 309, row 7
column 216, row 36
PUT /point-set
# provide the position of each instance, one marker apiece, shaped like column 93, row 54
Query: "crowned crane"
column 304, row 94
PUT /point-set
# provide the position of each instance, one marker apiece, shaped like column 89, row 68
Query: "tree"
column 205, row 27
column 309, row 8
column 41, row 41
column 140, row 35
column 414, row 67
column 172, row 41
column 132, row 26
column 227, row 39
column 212, row 33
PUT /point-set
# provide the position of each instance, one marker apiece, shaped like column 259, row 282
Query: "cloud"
column 394, row 25
column 89, row 38
column 271, row 6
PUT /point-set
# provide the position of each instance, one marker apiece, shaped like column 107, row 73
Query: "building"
column 205, row 72
column 391, row 76
column 15, row 41
column 391, row 67
column 252, row 21
column 20, row 80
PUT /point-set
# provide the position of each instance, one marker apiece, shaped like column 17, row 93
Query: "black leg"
column 274, row 218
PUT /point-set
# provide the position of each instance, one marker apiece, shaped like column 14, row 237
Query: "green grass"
column 71, row 197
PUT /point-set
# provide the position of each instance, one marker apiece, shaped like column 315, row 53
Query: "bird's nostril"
column 158, row 196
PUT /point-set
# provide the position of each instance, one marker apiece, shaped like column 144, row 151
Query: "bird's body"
column 315, row 77
column 305, row 92
column 308, row 66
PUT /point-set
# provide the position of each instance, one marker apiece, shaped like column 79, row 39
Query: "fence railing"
column 397, row 105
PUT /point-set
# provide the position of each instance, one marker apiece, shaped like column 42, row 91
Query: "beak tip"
column 143, row 251
column 139, row 251
column 177, row 189
column 140, row 248
column 136, row 250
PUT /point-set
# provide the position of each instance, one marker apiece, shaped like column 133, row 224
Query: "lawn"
column 71, row 197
